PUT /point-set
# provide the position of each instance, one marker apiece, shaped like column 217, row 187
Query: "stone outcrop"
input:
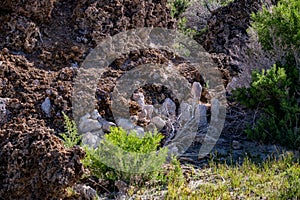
column 226, row 34
column 33, row 162
column 35, row 9
column 99, row 19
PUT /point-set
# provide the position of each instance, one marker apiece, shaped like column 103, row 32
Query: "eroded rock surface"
column 33, row 162
column 99, row 19
column 227, row 33
column 35, row 9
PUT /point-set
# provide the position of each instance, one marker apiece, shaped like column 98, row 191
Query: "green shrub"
column 274, row 93
column 71, row 137
column 120, row 155
column 131, row 142
column 178, row 7
column 267, row 90
column 134, row 158
column 279, row 26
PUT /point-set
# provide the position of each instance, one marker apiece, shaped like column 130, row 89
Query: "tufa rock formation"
column 33, row 162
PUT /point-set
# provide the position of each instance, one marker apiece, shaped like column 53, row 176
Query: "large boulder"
column 34, row 163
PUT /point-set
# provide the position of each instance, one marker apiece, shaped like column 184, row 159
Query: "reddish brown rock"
column 99, row 19
column 35, row 9
column 33, row 162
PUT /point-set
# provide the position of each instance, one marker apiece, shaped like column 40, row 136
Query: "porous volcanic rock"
column 22, row 34
column 35, row 9
column 42, row 44
column 33, row 162
column 98, row 19
column 28, row 87
column 226, row 34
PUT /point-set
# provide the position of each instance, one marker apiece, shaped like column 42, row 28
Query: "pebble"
column 46, row 106
column 90, row 139
column 158, row 122
column 89, row 125
column 125, row 124
column 196, row 91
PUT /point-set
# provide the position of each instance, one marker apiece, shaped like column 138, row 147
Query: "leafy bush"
column 267, row 90
column 134, row 159
column 280, row 25
column 71, row 137
column 131, row 142
column 273, row 92
column 276, row 91
column 178, row 7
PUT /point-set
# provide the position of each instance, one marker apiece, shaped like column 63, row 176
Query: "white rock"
column 46, row 106
column 149, row 110
column 134, row 119
column 196, row 91
column 173, row 150
column 215, row 109
column 84, row 118
column 86, row 192
column 150, row 127
column 3, row 111
column 95, row 115
column 140, row 131
column 143, row 114
column 106, row 125
column 168, row 107
column 89, row 125
column 91, row 139
column 139, row 98
column 201, row 115
column 125, row 124
column 236, row 145
column 158, row 122
column 186, row 112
